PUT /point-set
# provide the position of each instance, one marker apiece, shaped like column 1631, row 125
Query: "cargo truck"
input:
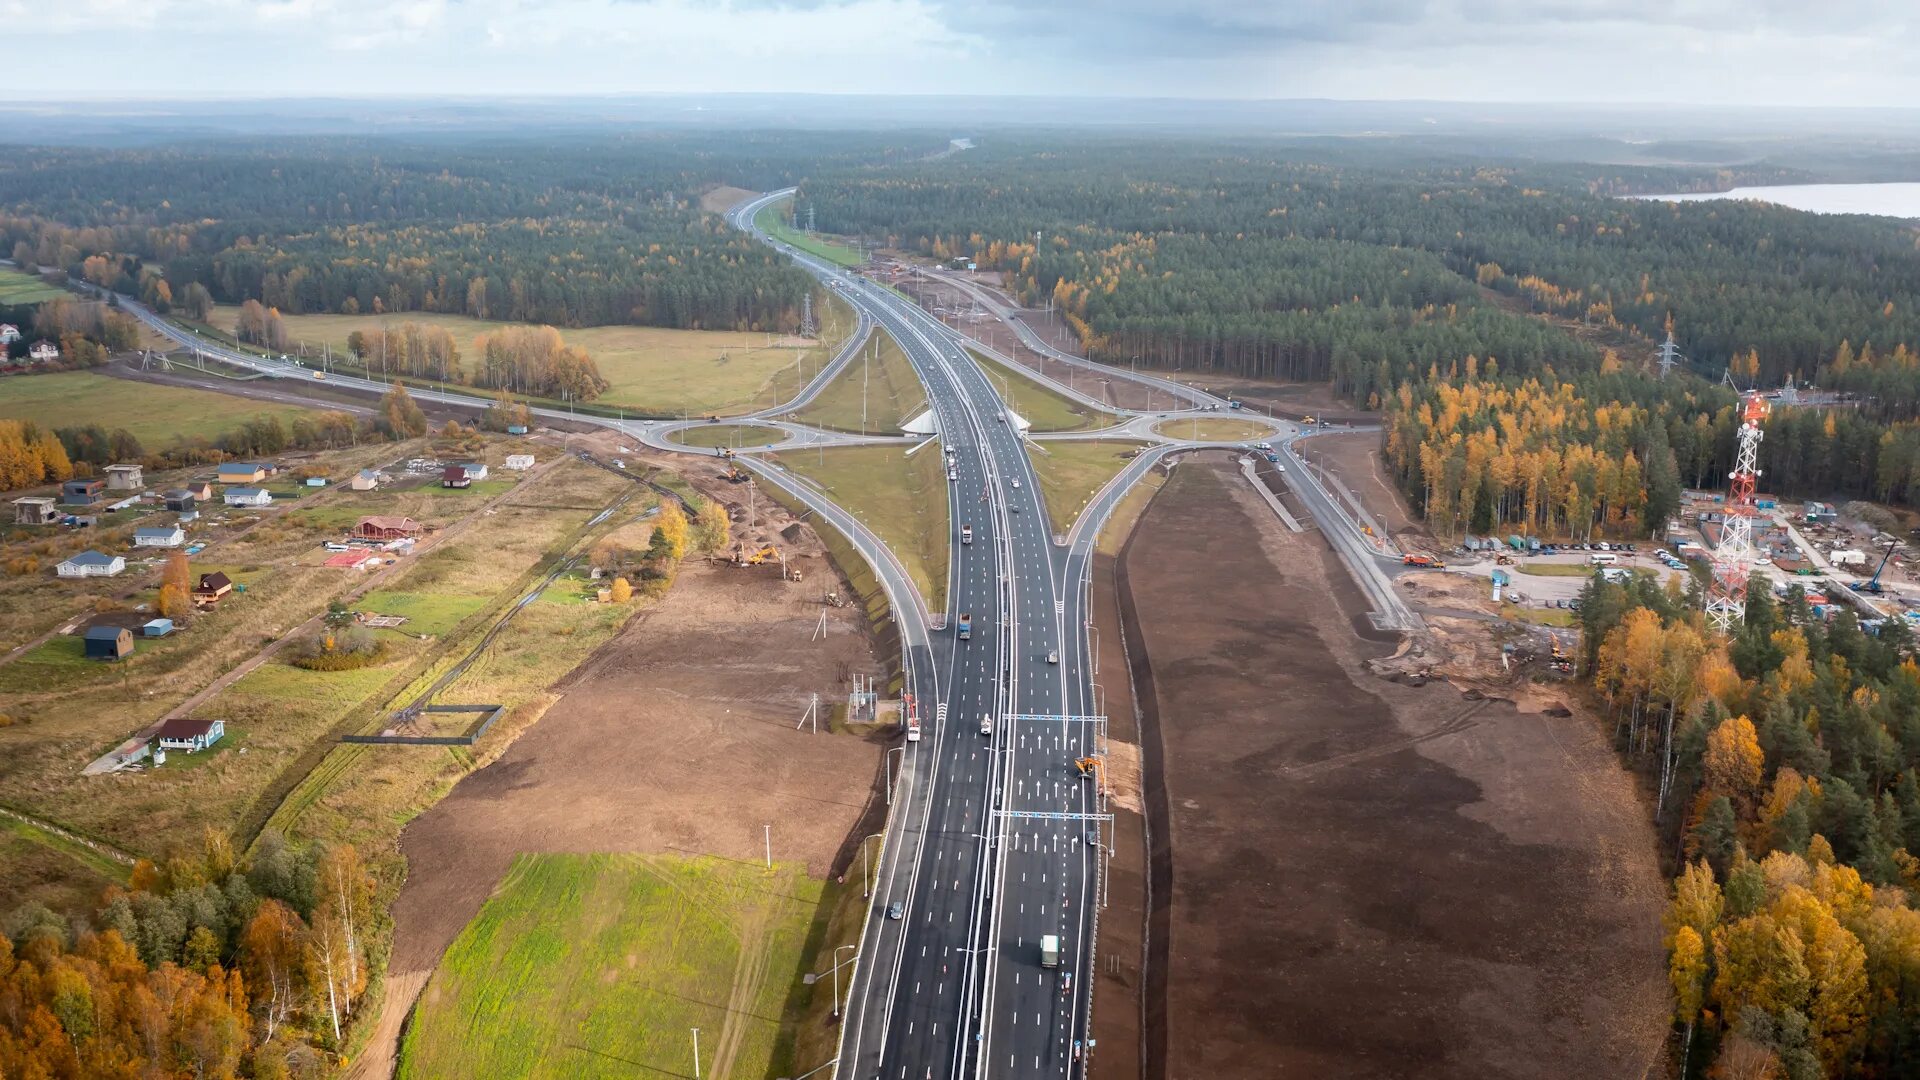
column 1050, row 951
column 966, row 626
column 966, row 534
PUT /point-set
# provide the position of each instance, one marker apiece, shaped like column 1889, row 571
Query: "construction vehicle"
column 1090, row 767
column 1414, row 559
column 1562, row 658
column 1503, row 559
column 1872, row 584
column 743, row 557
column 910, row 717
column 966, row 534
column 966, row 626
column 832, row 598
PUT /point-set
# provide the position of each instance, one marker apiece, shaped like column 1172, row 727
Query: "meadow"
column 600, row 966
column 156, row 415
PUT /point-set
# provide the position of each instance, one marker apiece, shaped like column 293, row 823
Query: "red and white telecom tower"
column 1733, row 557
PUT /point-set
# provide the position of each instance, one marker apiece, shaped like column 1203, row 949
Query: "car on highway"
column 1016, row 483
column 1066, row 982
column 896, row 910
column 1053, row 658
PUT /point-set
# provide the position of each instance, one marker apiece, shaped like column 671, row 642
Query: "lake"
column 1888, row 200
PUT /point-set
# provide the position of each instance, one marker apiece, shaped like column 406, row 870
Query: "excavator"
column 1092, row 768
column 1562, row 660
column 734, row 474
column 743, row 557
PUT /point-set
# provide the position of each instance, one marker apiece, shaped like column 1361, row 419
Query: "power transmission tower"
column 1733, row 557
column 809, row 217
column 1669, row 354
column 807, row 328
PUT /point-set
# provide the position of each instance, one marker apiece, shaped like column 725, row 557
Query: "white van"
column 1602, row 558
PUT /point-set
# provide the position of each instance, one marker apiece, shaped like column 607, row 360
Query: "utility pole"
column 696, row 1054
column 769, row 834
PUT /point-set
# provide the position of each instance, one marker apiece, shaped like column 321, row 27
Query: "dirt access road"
column 1367, row 878
column 677, row 736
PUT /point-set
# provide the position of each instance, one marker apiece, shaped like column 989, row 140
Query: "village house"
column 455, row 477
column 519, row 462
column 165, row 536
column 91, row 563
column 82, row 492
column 43, row 352
column 35, row 510
column 366, row 480
column 212, row 587
column 474, row 470
column 183, row 733
column 9, row 333
column 249, row 496
column 386, row 527
column 179, row 500
column 124, row 478
column 108, row 642
column 201, row 490
column 241, row 472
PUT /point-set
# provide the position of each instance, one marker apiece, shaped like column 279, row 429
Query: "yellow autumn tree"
column 622, row 590
column 1734, row 763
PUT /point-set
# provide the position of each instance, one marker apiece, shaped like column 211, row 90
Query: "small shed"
column 366, row 480
column 184, row 733
column 178, row 499
column 519, row 462
column 108, row 642
column 516, row 429
column 156, row 628
column 316, row 481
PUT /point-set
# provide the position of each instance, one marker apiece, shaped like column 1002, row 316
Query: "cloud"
column 1834, row 52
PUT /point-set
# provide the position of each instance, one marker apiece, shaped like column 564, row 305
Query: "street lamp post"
column 696, row 1054
column 834, row 977
column 902, row 751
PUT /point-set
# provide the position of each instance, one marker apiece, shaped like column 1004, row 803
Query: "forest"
column 1264, row 258
column 208, row 965
column 1784, row 765
column 567, row 232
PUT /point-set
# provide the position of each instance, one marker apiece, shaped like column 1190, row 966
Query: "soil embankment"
column 1353, row 877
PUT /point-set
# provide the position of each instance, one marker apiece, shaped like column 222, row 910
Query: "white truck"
column 986, row 724
column 1050, row 951
column 966, row 534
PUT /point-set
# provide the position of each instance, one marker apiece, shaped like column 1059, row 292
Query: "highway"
column 994, row 837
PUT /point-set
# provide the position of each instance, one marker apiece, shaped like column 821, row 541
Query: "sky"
column 1708, row 52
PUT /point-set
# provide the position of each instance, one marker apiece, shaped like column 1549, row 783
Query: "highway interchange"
column 993, row 839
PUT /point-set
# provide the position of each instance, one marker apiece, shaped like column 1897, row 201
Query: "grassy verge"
column 902, row 499
column 735, row 435
column 1126, row 513
column 20, row 287
column 1041, row 407
column 1071, row 473
column 599, row 965
column 1543, row 616
column 1538, row 569
column 772, row 220
column 156, row 415
column 880, row 387
column 1214, row 429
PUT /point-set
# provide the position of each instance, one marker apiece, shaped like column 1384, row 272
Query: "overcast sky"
column 1747, row 52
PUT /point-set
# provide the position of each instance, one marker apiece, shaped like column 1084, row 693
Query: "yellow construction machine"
column 743, row 557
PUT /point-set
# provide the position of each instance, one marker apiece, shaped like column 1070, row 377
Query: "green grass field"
column 17, row 287
column 1070, row 473
column 600, row 965
column 156, row 415
column 1041, row 407
column 715, row 435
column 1215, row 429
column 691, row 372
column 902, row 499
column 774, row 222
column 883, row 379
